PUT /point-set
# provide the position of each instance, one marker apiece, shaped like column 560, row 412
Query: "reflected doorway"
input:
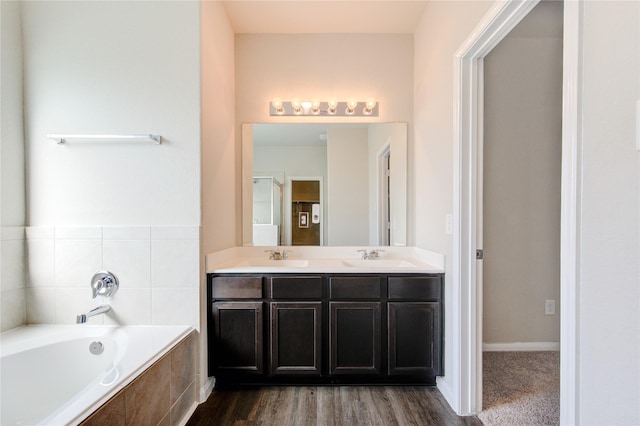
column 305, row 213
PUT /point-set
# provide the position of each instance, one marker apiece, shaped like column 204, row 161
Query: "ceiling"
column 324, row 16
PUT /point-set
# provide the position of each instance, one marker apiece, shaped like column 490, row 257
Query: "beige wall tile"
column 181, row 408
column 183, row 368
column 148, row 399
column 112, row 413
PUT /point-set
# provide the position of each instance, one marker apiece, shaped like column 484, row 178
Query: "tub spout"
column 82, row 318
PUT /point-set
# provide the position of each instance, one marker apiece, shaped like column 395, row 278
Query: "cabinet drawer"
column 354, row 287
column 236, row 288
column 415, row 288
column 307, row 287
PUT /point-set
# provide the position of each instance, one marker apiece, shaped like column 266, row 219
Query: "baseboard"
column 447, row 393
column 207, row 388
column 521, row 346
column 183, row 421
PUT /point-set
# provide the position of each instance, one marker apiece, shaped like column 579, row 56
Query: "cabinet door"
column 296, row 338
column 238, row 344
column 354, row 337
column 414, row 338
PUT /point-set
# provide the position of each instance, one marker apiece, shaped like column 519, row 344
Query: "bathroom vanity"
column 319, row 321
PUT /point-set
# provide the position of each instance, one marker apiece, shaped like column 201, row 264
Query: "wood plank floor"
column 327, row 405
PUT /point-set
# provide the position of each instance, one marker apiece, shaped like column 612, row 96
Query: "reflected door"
column 305, row 226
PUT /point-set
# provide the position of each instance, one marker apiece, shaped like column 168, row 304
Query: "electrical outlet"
column 549, row 307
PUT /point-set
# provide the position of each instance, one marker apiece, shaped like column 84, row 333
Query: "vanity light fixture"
column 332, row 107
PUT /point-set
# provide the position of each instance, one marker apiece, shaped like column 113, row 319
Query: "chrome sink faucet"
column 372, row 255
column 276, row 255
column 375, row 254
column 102, row 309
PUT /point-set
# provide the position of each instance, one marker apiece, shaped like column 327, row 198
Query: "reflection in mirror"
column 324, row 184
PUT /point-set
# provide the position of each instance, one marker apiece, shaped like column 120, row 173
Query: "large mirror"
column 324, row 184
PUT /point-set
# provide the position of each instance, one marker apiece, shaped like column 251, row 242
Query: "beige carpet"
column 521, row 388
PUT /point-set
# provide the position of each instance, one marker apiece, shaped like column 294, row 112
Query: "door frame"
column 287, row 207
column 467, row 289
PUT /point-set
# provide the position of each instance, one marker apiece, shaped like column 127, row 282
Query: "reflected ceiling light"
column 332, row 107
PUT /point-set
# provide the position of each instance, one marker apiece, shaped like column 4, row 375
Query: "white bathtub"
column 49, row 376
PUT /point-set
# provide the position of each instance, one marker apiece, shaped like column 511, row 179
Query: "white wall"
column 522, row 154
column 324, row 66
column 108, row 67
column 347, row 218
column 12, row 179
column 609, row 294
column 12, row 194
column 443, row 28
column 221, row 161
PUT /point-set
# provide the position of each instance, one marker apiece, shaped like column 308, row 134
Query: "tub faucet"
column 102, row 309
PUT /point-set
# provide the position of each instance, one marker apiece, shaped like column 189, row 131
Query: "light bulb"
column 315, row 107
column 276, row 103
column 369, row 106
column 306, row 106
column 332, row 106
column 351, row 106
column 297, row 106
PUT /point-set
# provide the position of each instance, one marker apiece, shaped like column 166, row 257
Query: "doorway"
column 519, row 194
column 305, row 219
column 467, row 131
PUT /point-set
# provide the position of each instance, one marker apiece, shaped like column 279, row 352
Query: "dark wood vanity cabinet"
column 237, row 324
column 415, row 310
column 354, row 337
column 295, row 328
column 238, row 328
column 295, row 338
column 325, row 328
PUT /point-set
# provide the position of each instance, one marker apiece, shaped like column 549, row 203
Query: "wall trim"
column 467, row 295
column 521, row 346
column 206, row 389
column 570, row 215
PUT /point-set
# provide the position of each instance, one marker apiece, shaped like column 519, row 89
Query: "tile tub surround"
column 13, row 309
column 158, row 270
column 324, row 259
column 164, row 394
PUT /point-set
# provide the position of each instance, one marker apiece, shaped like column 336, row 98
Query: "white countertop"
column 342, row 260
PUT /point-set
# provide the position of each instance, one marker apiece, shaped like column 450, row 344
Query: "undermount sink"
column 378, row 263
column 266, row 263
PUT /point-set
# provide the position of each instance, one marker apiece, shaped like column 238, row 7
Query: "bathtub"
column 50, row 376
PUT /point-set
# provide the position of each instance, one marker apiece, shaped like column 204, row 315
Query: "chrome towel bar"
column 62, row 138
